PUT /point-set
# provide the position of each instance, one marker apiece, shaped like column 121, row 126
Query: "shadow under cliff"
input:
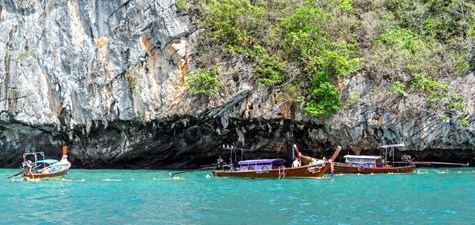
column 181, row 142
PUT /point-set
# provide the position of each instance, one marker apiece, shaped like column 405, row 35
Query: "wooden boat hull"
column 343, row 168
column 297, row 172
column 48, row 175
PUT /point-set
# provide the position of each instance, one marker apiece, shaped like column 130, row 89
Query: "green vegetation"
column 131, row 77
column 325, row 98
column 269, row 69
column 399, row 88
column 203, row 82
column 464, row 121
column 303, row 48
column 237, row 26
column 182, row 4
column 456, row 102
column 290, row 93
column 435, row 90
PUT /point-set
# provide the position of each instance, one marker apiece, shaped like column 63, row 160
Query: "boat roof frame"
column 362, row 157
column 233, row 148
column 34, row 154
column 392, row 146
column 276, row 161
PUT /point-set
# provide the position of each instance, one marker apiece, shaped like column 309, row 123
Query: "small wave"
column 16, row 179
column 111, row 180
column 68, row 180
column 169, row 178
column 33, row 180
column 442, row 172
column 448, row 211
column 305, row 204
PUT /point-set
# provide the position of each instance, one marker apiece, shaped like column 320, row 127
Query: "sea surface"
column 429, row 196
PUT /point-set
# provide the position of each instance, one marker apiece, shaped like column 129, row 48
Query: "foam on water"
column 111, row 180
column 430, row 196
column 169, row 178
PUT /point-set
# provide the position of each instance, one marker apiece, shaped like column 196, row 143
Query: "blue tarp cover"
column 47, row 161
column 276, row 162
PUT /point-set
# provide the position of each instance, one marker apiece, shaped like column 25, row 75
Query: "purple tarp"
column 275, row 162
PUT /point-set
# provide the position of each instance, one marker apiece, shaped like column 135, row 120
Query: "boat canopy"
column 275, row 162
column 392, row 146
column 47, row 161
column 362, row 157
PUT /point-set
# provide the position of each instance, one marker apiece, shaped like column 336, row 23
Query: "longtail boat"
column 35, row 166
column 368, row 164
column 303, row 167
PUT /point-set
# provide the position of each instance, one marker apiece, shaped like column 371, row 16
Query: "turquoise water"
column 430, row 196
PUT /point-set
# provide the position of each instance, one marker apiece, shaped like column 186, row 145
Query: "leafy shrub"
column 203, row 82
column 400, row 38
column 438, row 93
column 346, row 5
column 269, row 69
column 182, row 4
column 399, row 88
column 456, row 102
column 290, row 93
column 433, row 88
column 464, row 121
column 231, row 21
column 324, row 97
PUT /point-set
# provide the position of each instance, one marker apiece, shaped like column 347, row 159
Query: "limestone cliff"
column 108, row 79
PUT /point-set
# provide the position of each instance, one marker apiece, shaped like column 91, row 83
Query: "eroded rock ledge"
column 187, row 142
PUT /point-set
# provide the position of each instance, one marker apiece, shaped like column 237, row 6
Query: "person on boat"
column 220, row 162
column 27, row 166
column 296, row 163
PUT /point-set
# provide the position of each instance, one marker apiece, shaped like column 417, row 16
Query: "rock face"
column 108, row 79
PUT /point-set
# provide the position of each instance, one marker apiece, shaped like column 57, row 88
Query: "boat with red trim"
column 302, row 167
column 368, row 164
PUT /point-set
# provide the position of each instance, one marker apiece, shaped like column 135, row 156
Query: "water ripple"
column 430, row 196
